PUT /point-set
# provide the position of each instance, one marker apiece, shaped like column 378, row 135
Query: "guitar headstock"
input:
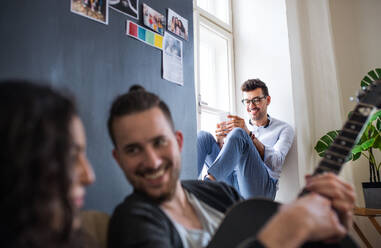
column 371, row 95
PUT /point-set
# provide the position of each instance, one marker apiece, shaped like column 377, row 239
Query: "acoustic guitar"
column 245, row 219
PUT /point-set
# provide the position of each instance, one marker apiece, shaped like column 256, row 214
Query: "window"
column 219, row 9
column 214, row 62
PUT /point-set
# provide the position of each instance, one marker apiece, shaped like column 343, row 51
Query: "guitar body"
column 246, row 219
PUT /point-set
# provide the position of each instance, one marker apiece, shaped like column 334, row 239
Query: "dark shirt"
column 140, row 222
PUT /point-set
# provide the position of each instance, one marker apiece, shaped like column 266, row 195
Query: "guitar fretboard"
column 338, row 152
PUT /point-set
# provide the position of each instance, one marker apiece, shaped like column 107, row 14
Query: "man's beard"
column 170, row 187
column 259, row 116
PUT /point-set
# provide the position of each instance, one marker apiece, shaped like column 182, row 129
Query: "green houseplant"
column 368, row 144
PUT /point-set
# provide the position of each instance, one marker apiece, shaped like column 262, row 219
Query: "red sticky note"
column 133, row 29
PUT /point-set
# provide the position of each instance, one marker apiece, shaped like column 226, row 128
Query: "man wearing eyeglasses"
column 247, row 155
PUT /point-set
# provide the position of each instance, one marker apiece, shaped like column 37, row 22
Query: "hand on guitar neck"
column 314, row 216
column 341, row 194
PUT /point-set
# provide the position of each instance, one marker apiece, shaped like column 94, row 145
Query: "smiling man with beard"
column 148, row 150
column 252, row 155
column 164, row 212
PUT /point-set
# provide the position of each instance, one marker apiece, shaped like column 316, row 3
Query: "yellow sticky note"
column 159, row 41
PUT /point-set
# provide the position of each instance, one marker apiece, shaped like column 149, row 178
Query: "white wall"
column 262, row 51
column 316, row 92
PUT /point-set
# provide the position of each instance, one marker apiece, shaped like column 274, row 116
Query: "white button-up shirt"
column 277, row 137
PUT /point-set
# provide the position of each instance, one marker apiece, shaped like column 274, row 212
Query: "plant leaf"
column 372, row 131
column 378, row 70
column 367, row 144
column 350, row 157
column 375, row 116
column 357, row 149
column 356, row 156
column 365, row 135
column 333, row 134
column 363, row 138
column 320, row 148
column 366, row 81
column 324, row 142
column 373, row 75
column 377, row 143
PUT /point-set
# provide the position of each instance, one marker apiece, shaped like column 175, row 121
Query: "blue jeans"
column 238, row 164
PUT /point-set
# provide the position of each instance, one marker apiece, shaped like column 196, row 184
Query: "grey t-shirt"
column 210, row 219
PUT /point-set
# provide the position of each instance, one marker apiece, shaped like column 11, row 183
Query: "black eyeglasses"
column 255, row 100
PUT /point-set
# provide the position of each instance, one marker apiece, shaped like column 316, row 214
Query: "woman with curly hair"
column 44, row 168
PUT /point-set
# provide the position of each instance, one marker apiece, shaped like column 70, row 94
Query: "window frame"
column 202, row 17
column 214, row 19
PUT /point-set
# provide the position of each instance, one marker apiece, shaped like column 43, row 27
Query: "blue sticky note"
column 142, row 34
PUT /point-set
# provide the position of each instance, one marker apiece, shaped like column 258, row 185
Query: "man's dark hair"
column 36, row 166
column 253, row 84
column 136, row 100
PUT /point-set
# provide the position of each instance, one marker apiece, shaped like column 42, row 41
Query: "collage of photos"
column 153, row 19
column 159, row 37
column 127, row 7
column 96, row 10
column 177, row 24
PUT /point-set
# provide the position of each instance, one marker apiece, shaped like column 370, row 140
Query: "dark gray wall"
column 42, row 40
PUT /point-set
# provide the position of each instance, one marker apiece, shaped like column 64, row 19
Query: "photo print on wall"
column 127, row 7
column 173, row 59
column 177, row 24
column 96, row 10
column 153, row 19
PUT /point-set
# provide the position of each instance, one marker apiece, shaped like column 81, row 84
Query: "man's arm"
column 274, row 156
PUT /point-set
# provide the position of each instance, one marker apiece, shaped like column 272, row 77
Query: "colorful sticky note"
column 133, row 29
column 159, row 41
column 144, row 35
column 150, row 36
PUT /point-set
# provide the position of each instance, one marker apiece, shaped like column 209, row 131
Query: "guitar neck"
column 340, row 149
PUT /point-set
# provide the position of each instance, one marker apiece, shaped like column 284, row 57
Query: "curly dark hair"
column 36, row 168
column 253, row 84
column 136, row 100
